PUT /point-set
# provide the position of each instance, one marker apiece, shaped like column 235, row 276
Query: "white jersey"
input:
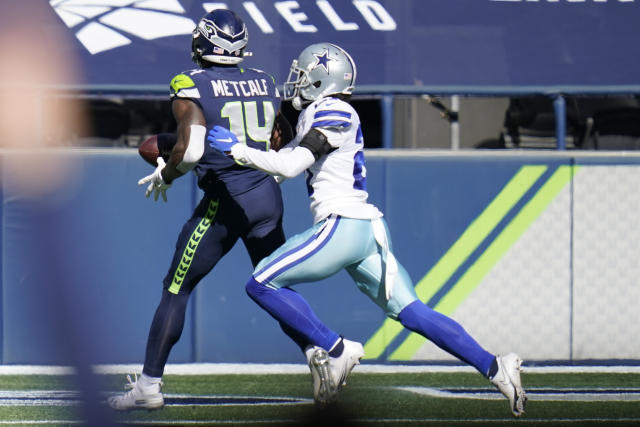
column 336, row 182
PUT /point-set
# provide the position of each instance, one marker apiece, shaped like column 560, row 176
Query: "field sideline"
column 299, row 368
column 280, row 394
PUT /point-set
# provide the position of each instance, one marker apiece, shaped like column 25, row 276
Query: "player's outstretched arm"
column 190, row 135
column 287, row 163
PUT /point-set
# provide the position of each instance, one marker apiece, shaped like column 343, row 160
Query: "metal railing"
column 386, row 94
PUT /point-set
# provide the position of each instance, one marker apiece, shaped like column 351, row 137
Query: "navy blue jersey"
column 243, row 100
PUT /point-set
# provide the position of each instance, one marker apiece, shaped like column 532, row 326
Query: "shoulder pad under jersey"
column 183, row 86
column 332, row 113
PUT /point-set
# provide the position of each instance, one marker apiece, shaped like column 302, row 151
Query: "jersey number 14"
column 244, row 122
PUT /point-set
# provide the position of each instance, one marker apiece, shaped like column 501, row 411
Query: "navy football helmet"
column 219, row 38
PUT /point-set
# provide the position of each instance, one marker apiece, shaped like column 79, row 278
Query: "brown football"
column 281, row 133
column 150, row 148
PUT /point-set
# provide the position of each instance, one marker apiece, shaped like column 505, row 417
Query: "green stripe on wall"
column 498, row 248
column 458, row 253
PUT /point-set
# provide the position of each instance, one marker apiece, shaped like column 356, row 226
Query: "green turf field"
column 395, row 399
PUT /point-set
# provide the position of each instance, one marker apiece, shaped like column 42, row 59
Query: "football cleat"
column 330, row 373
column 507, row 380
column 341, row 366
column 137, row 397
column 324, row 389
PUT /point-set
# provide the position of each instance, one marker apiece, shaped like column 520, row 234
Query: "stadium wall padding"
column 532, row 252
column 486, row 43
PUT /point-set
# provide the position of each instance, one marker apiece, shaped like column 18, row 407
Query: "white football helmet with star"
column 322, row 69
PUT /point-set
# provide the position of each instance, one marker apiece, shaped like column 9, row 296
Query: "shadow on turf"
column 328, row 415
column 334, row 415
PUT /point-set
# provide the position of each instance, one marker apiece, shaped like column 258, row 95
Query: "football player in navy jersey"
column 238, row 203
column 348, row 233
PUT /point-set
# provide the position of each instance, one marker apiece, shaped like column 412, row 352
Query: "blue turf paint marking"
column 72, row 398
column 39, row 398
column 190, row 400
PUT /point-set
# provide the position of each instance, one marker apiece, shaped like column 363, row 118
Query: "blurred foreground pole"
column 36, row 178
column 70, row 318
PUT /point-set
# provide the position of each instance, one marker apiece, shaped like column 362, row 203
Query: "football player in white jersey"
column 348, row 233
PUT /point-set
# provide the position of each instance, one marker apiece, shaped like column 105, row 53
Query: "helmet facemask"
column 297, row 80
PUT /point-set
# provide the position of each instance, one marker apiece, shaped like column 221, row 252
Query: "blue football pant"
column 336, row 243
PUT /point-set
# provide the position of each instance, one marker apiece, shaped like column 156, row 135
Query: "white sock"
column 149, row 383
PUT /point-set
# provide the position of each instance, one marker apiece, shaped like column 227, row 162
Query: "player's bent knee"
column 254, row 288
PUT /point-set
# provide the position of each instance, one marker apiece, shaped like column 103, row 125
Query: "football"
column 148, row 150
column 152, row 147
column 281, row 133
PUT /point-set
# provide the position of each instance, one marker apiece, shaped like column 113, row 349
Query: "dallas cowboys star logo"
column 322, row 60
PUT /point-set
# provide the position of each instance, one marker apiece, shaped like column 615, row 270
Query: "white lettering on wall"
column 375, row 15
column 258, row 17
column 334, row 18
column 208, row 7
column 295, row 19
column 371, row 11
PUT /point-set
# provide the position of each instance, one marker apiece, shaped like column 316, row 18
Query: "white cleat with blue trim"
column 330, row 373
column 324, row 389
column 507, row 380
column 341, row 366
column 137, row 397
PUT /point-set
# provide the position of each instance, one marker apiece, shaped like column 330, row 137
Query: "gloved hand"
column 222, row 139
column 156, row 183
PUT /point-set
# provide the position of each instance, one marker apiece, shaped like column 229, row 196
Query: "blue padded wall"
column 111, row 248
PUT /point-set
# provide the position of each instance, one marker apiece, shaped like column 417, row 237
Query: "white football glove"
column 157, row 186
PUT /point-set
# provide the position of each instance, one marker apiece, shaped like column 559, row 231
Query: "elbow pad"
column 316, row 142
column 195, row 148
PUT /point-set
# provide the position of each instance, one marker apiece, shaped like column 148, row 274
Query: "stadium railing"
column 386, row 94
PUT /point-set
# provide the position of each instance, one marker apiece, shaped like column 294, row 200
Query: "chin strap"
column 297, row 103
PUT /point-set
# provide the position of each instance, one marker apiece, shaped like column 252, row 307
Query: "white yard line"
column 294, row 368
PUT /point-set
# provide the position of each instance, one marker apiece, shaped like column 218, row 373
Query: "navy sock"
column 447, row 334
column 336, row 351
column 165, row 331
column 290, row 309
column 493, row 370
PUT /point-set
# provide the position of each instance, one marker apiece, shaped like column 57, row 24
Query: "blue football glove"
column 222, row 139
